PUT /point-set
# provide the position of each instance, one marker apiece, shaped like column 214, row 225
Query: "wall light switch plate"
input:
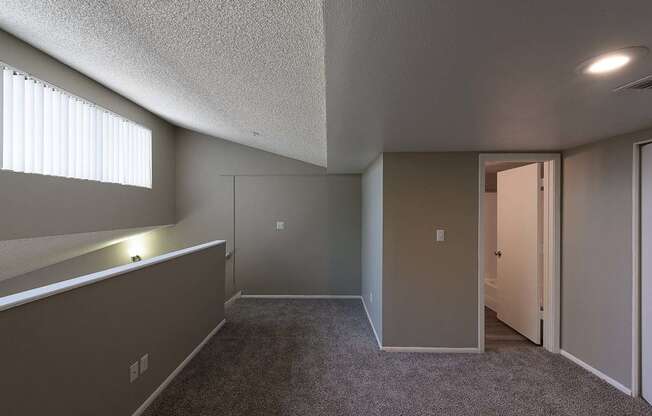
column 133, row 372
column 441, row 235
column 144, row 363
column 280, row 225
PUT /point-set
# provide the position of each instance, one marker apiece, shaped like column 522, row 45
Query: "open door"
column 519, row 207
column 646, row 272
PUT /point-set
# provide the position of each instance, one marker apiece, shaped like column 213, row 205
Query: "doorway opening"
column 518, row 250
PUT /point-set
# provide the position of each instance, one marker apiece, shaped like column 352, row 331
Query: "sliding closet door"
column 646, row 270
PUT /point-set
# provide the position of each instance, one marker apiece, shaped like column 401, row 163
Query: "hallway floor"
column 499, row 334
column 319, row 357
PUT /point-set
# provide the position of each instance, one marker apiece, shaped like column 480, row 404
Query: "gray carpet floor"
column 319, row 357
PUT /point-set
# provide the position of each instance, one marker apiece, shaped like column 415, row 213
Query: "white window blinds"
column 50, row 132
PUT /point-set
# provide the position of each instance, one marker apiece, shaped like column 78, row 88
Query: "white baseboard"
column 176, row 371
column 598, row 373
column 233, row 299
column 431, row 350
column 380, row 345
column 301, row 296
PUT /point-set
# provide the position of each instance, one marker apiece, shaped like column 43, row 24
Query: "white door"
column 519, row 249
column 646, row 271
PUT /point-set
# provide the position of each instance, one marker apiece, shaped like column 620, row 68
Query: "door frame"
column 636, row 268
column 551, row 279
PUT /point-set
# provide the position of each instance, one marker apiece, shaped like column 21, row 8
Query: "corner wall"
column 372, row 243
column 596, row 283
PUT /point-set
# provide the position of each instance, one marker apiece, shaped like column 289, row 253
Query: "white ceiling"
column 458, row 75
column 224, row 68
column 418, row 75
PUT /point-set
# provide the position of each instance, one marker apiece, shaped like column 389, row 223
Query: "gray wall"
column 597, row 254
column 70, row 353
column 153, row 243
column 25, row 255
column 205, row 195
column 207, row 170
column 37, row 205
column 429, row 288
column 372, row 242
column 318, row 253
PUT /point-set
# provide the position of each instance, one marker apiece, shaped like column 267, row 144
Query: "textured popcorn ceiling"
column 24, row 255
column 224, row 68
column 418, row 75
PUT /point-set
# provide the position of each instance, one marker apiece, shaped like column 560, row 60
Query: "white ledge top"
column 17, row 299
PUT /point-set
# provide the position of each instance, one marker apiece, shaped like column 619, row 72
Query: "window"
column 47, row 131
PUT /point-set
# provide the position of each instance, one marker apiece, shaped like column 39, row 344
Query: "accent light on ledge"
column 135, row 249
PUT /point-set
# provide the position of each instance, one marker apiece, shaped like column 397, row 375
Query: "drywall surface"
column 145, row 242
column 318, row 252
column 372, row 243
column 597, row 254
column 430, row 289
column 24, row 255
column 37, row 205
column 400, row 79
column 227, row 158
column 72, row 351
column 206, row 167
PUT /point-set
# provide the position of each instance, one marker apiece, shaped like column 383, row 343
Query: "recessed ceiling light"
column 608, row 63
column 612, row 61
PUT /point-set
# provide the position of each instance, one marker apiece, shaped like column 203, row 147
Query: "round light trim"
column 612, row 61
column 608, row 63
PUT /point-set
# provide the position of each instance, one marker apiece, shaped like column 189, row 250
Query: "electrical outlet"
column 144, row 363
column 280, row 225
column 133, row 372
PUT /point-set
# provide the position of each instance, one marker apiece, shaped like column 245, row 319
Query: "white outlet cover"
column 441, row 235
column 280, row 225
column 133, row 372
column 144, row 363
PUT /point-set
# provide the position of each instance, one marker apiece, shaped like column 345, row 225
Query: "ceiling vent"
column 644, row 83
